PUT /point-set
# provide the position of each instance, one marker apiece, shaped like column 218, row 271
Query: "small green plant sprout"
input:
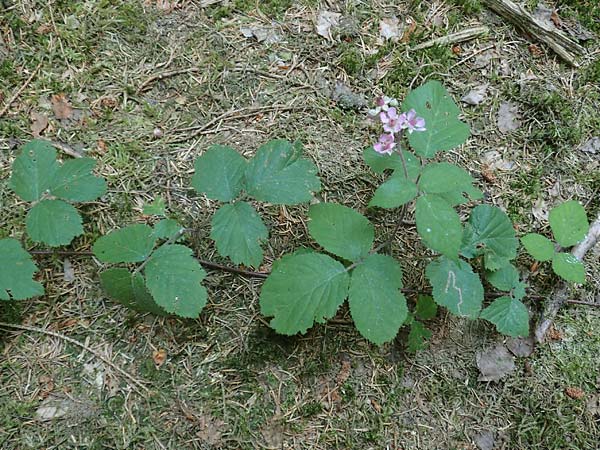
column 570, row 226
column 166, row 278
column 39, row 178
column 276, row 174
column 17, row 271
column 425, row 309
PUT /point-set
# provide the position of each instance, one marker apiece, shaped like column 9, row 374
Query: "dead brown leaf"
column 344, row 372
column 555, row 19
column 210, row 430
column 536, row 51
column 44, row 28
column 575, row 393
column 47, row 386
column 411, row 26
column 61, row 106
column 101, row 146
column 39, row 122
column 159, row 357
column 554, row 334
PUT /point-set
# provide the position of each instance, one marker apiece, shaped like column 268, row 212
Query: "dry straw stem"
column 455, row 38
column 137, row 384
column 559, row 297
column 21, row 89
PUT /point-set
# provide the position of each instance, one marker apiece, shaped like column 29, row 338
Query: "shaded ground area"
column 146, row 87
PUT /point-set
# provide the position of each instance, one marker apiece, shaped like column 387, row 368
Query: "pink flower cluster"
column 393, row 123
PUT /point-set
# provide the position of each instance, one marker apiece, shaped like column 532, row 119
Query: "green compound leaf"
column 445, row 178
column 509, row 315
column 277, row 175
column 238, row 231
column 219, row 173
column 379, row 163
column 173, row 278
column 53, row 222
column 396, row 191
column 75, row 181
column 426, row 308
column 569, row 223
column 438, row 225
column 377, row 306
column 444, row 131
column 133, row 243
column 455, row 286
column 303, row 289
column 129, row 290
column 490, row 233
column 17, row 272
column 166, row 229
column 568, row 267
column 417, row 336
column 538, row 246
column 341, row 230
column 33, row 170
column 158, row 207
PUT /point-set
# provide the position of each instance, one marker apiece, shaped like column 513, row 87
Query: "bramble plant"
column 157, row 273
column 276, row 174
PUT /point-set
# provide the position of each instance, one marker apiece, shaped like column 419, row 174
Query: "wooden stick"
column 162, row 76
column 136, row 383
column 560, row 295
column 564, row 46
column 21, row 89
column 454, row 38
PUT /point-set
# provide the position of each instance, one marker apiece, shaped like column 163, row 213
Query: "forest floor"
column 146, row 87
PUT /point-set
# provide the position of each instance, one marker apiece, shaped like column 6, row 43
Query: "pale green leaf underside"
column 53, row 222
column 509, row 315
column 379, row 163
column 444, row 130
column 490, row 233
column 396, row 191
column 75, row 181
column 219, row 173
column 277, row 175
column 568, row 267
column 455, row 286
column 17, row 272
column 538, row 246
column 377, row 306
column 438, row 225
column 129, row 290
column 173, row 278
column 569, row 223
column 303, row 289
column 128, row 245
column 238, row 232
column 33, row 170
column 340, row 230
column 445, row 178
column 166, row 229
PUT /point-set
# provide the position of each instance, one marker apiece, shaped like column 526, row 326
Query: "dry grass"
column 228, row 380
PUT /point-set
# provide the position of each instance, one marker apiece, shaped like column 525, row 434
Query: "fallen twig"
column 559, row 297
column 162, row 76
column 454, row 38
column 564, row 46
column 21, row 89
column 580, row 302
column 136, row 383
